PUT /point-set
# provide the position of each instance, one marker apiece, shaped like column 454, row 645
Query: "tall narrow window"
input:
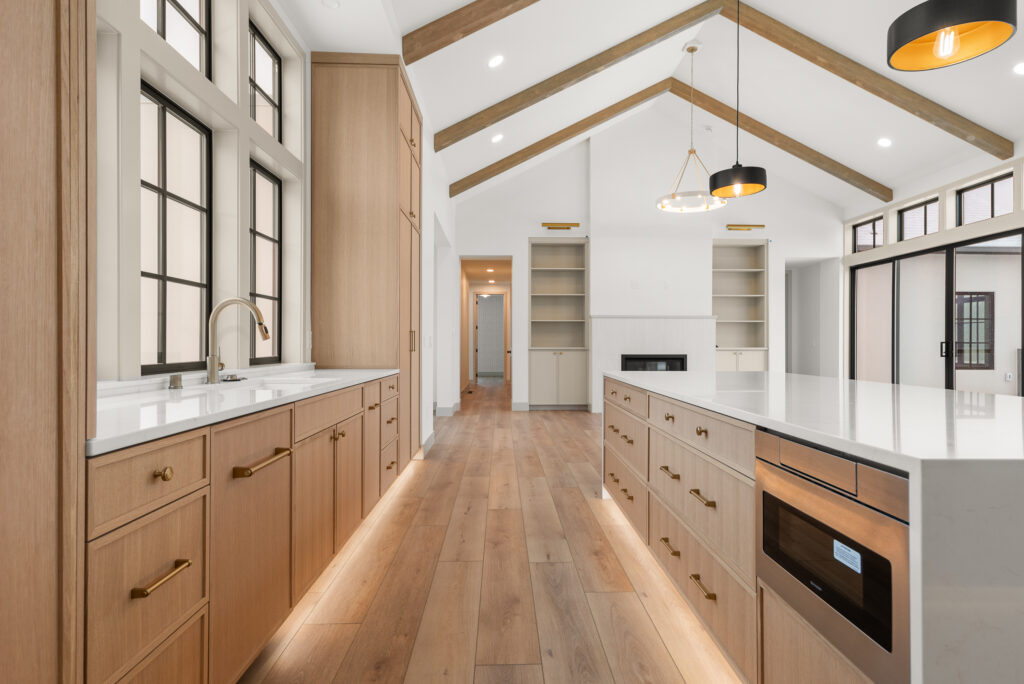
column 265, row 232
column 867, row 235
column 985, row 200
column 920, row 219
column 184, row 24
column 174, row 235
column 975, row 330
column 264, row 83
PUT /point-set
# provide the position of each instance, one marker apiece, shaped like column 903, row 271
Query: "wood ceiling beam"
column 574, row 74
column 871, row 81
column 567, row 133
column 783, row 142
column 455, row 26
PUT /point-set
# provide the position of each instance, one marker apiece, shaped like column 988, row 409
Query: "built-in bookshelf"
column 739, row 301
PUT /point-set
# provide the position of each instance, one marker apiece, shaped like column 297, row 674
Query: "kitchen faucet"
column 212, row 355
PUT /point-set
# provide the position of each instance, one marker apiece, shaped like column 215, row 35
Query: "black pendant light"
column 738, row 181
column 940, row 33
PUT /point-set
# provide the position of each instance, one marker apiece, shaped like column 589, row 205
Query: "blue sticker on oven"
column 845, row 555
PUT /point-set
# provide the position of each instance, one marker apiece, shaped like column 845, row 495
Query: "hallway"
column 490, row 561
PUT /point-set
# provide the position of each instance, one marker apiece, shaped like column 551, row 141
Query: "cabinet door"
column 404, row 111
column 725, row 360
column 543, row 377
column 404, row 177
column 348, row 479
column 312, row 509
column 416, row 132
column 752, row 360
column 406, row 233
column 414, row 362
column 414, row 190
column 371, row 458
column 250, row 541
column 388, row 466
column 572, row 377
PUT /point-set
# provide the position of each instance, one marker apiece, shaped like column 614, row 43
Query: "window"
column 174, row 235
column 867, row 235
column 264, row 83
column 975, row 330
column 985, row 200
column 184, row 24
column 265, row 260
column 920, row 219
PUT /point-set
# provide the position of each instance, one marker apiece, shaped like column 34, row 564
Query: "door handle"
column 942, row 349
column 249, row 471
column 665, row 469
column 412, row 340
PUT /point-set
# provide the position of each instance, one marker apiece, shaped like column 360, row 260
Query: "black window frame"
column 206, row 51
column 255, row 35
column 205, row 211
column 963, row 341
column 992, row 197
column 877, row 233
column 275, row 326
column 919, row 205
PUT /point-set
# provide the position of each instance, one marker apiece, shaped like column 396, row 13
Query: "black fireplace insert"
column 654, row 362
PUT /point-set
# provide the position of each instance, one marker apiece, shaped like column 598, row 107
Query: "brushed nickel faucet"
column 213, row 364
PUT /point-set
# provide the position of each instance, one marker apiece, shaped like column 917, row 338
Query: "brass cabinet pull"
column 669, row 416
column 249, row 471
column 614, row 393
column 665, row 542
column 701, row 430
column 391, row 420
column 143, row 592
column 413, row 142
column 614, row 479
column 629, row 497
column 166, row 474
column 613, row 429
column 626, row 398
column 373, row 406
column 709, row 595
column 391, row 387
column 391, row 465
column 707, row 502
column 628, row 440
column 412, row 214
column 338, row 435
column 412, row 335
column 665, row 469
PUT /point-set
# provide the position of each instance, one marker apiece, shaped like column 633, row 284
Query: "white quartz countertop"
column 900, row 426
column 133, row 412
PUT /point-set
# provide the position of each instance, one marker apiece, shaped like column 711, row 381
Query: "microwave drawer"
column 628, row 436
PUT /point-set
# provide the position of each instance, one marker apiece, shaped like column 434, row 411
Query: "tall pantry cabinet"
column 365, row 242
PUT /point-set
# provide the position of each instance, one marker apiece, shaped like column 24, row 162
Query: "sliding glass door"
column 921, row 320
column 873, row 323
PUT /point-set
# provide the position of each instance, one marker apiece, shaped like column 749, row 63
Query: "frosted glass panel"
column 922, row 320
column 265, row 348
column 264, row 219
column 184, row 323
column 265, row 70
column 185, row 243
column 976, row 204
column 149, row 231
column 266, row 267
column 182, row 36
column 149, row 329
column 873, row 319
column 184, row 160
column 1003, row 197
column 149, row 139
column 148, row 12
column 264, row 113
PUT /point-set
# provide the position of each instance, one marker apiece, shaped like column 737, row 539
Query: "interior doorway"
column 490, row 341
column 486, row 305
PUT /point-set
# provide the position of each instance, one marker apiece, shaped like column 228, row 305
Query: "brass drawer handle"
column 373, row 406
column 628, row 440
column 665, row 469
column 249, row 471
column 413, row 142
column 707, row 502
column 614, row 479
column 614, row 393
column 391, row 420
column 391, row 465
column 629, row 497
column 670, row 417
column 709, row 595
column 391, row 387
column 667, row 545
column 626, row 398
column 412, row 214
column 143, row 592
column 338, row 435
column 166, row 474
column 701, row 430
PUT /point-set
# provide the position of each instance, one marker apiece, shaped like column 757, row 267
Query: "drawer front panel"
column 389, row 420
column 626, row 396
column 371, row 394
column 180, row 659
column 726, row 441
column 389, row 387
column 728, row 609
column 127, row 484
column 838, row 472
column 120, row 628
column 628, row 436
column 388, row 466
column 320, row 413
column 628, row 491
column 714, row 500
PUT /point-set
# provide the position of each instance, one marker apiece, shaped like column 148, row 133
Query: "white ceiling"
column 781, row 90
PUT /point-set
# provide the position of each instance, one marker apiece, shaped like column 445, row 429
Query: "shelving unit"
column 559, row 328
column 739, row 289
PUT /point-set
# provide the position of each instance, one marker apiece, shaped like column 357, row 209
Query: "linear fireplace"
column 654, row 362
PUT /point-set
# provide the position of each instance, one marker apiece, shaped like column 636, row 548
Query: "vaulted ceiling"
column 783, row 91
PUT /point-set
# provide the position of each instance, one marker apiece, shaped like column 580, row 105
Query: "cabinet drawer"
column 371, row 394
column 127, row 484
column 142, row 581
column 728, row 609
column 179, row 659
column 389, row 387
column 714, row 500
column 629, row 398
column 389, row 420
column 629, row 492
column 628, row 436
column 320, row 413
column 725, row 439
column 388, row 466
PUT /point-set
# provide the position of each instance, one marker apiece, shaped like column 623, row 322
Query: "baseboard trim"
column 428, row 444
column 444, row 411
column 520, row 406
column 558, row 407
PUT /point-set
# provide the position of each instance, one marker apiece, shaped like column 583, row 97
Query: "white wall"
column 999, row 274
column 816, row 312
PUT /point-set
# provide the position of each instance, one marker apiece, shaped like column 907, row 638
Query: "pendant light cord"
column 737, row 81
column 693, row 58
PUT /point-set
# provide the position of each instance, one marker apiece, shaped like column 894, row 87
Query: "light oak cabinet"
column 371, row 452
column 348, row 479
column 250, row 570
column 313, row 493
column 181, row 659
column 558, row 378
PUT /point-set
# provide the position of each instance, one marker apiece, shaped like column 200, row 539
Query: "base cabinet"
column 745, row 360
column 558, row 378
column 312, row 509
column 348, row 479
column 181, row 659
column 371, row 454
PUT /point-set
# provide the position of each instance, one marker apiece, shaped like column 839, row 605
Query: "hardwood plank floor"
column 495, row 561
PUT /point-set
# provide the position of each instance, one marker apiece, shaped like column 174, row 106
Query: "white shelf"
column 737, row 270
column 558, row 294
column 737, row 295
column 557, row 320
column 739, row 321
column 554, row 268
column 741, row 348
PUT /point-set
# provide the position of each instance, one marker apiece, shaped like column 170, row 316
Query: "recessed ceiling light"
column 498, row 138
column 496, row 61
column 1019, row 68
column 491, row 282
column 884, row 142
column 333, row 4
column 490, row 270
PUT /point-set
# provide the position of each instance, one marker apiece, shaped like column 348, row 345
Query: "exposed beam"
column 871, row 81
column 783, row 142
column 453, row 27
column 567, row 133
column 585, row 69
